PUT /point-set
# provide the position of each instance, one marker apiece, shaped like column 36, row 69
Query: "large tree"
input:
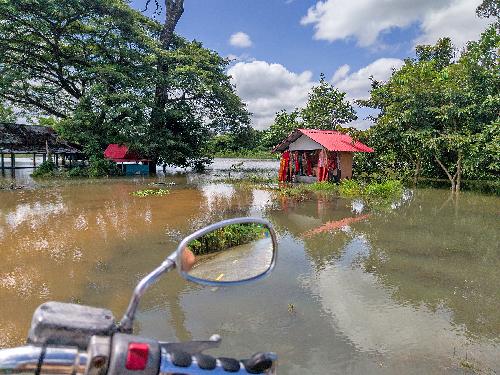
column 438, row 110
column 193, row 98
column 86, row 62
column 327, row 108
column 109, row 74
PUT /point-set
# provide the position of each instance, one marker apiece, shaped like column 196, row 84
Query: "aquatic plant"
column 150, row 192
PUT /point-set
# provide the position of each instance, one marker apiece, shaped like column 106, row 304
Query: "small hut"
column 310, row 155
column 128, row 161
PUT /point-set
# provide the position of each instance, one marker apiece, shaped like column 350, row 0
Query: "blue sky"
column 280, row 47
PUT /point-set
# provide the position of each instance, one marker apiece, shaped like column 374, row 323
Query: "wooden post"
column 13, row 164
column 3, row 162
column 34, row 160
column 57, row 160
column 44, row 158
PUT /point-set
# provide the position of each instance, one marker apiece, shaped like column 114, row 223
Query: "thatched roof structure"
column 17, row 138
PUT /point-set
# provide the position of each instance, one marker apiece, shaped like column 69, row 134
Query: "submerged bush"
column 100, row 167
column 46, row 169
column 384, row 190
column 323, row 186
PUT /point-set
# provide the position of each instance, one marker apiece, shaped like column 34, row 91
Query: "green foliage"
column 100, row 167
column 94, row 67
column 150, row 192
column 327, row 108
column 78, row 171
column 324, row 186
column 438, row 116
column 6, row 114
column 284, row 124
column 383, row 190
column 350, row 188
column 227, row 237
column 373, row 190
column 45, row 169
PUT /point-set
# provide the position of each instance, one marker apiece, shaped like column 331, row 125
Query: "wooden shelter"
column 310, row 155
column 34, row 140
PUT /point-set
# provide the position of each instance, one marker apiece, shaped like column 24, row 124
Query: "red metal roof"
column 330, row 139
column 121, row 153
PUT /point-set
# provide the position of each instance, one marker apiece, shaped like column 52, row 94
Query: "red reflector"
column 137, row 356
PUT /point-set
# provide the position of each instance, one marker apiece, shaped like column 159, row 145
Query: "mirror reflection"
column 232, row 253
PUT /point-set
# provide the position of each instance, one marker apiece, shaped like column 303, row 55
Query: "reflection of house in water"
column 310, row 155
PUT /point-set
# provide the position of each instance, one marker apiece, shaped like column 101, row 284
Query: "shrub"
column 100, row 167
column 46, row 169
column 79, row 171
column 384, row 190
column 350, row 188
column 322, row 186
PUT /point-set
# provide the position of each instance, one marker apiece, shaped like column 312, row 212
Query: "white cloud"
column 240, row 40
column 341, row 73
column 268, row 88
column 366, row 20
column 455, row 21
column 357, row 84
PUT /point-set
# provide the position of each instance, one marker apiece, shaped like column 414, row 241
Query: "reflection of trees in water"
column 221, row 202
column 440, row 252
column 88, row 244
column 441, row 257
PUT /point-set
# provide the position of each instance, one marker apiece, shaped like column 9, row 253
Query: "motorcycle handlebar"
column 70, row 360
column 42, row 360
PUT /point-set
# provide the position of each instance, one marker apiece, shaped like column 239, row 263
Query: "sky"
column 279, row 48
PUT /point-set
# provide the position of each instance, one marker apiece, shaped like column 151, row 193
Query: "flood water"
column 412, row 287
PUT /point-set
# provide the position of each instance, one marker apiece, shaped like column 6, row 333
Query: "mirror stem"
column 126, row 324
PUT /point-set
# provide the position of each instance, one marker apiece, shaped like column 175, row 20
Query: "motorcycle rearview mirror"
column 229, row 252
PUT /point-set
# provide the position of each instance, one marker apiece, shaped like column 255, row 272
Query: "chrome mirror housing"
column 230, row 252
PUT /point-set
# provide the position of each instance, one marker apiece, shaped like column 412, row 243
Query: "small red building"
column 129, row 162
column 310, row 155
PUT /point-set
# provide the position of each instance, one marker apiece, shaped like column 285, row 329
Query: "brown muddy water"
column 412, row 287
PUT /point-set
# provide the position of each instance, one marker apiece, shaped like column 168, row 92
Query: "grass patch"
column 150, row 193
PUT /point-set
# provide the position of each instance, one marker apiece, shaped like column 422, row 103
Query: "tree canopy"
column 98, row 66
column 439, row 111
column 326, row 109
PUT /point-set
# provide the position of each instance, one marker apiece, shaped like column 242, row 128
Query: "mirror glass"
column 234, row 252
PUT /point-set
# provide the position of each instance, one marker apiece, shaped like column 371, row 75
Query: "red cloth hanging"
column 284, row 165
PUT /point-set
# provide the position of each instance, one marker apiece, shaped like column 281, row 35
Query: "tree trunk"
column 450, row 177
column 173, row 12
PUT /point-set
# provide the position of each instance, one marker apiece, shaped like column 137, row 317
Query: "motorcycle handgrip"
column 70, row 360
